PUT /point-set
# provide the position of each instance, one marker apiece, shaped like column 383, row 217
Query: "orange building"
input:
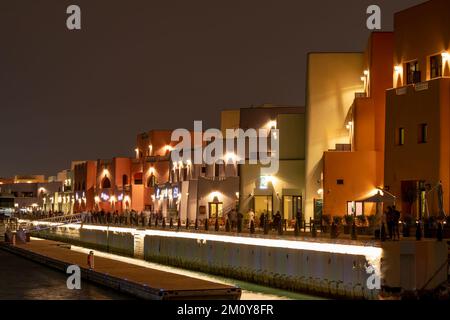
column 151, row 168
column 354, row 170
column 417, row 145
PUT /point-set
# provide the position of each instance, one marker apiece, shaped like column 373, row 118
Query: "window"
column 436, row 66
column 106, row 183
column 216, row 170
column 423, row 133
column 138, row 178
column 401, row 136
column 151, row 182
column 340, row 181
column 203, row 170
column 412, row 72
column 124, row 180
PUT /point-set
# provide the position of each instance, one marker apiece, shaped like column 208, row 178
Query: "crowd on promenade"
column 233, row 220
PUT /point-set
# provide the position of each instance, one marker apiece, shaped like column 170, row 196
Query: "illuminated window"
column 436, row 66
column 423, row 133
column 412, row 72
column 151, row 181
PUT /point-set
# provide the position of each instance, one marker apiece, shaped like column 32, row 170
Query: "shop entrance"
column 215, row 209
column 291, row 205
column 318, row 205
column 263, row 204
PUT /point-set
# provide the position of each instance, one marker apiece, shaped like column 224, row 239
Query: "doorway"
column 291, row 205
column 318, row 205
column 215, row 209
column 263, row 204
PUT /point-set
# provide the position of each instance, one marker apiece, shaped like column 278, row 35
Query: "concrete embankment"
column 141, row 282
column 339, row 270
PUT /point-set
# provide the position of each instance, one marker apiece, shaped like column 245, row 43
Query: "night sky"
column 141, row 65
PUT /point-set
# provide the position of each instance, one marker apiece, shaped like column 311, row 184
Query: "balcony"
column 342, row 147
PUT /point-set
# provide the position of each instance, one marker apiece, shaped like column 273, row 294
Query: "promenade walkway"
column 160, row 284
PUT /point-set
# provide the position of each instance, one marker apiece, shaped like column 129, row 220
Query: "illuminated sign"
column 104, row 196
column 264, row 182
column 175, row 192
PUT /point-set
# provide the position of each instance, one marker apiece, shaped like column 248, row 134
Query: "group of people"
column 132, row 217
column 264, row 218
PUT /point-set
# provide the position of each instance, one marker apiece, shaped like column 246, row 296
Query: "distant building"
column 285, row 190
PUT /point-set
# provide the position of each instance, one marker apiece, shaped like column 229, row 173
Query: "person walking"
column 261, row 220
column 389, row 221
column 251, row 218
column 395, row 222
column 90, row 260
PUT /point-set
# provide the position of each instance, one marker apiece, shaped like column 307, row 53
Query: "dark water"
column 24, row 279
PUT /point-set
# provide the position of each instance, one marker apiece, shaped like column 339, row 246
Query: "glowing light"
column 105, row 172
column 445, row 55
column 272, row 124
column 363, row 78
column 230, row 156
column 151, row 170
column 113, row 199
column 371, row 253
column 398, row 69
column 104, row 196
column 320, row 191
column 237, row 195
column 188, row 162
column 168, row 148
column 137, row 152
column 265, row 180
column 366, row 72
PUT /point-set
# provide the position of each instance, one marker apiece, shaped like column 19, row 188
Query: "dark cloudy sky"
column 142, row 64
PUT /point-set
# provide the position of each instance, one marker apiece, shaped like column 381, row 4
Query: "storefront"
column 167, row 198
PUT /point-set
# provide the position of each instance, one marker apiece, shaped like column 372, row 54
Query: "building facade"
column 417, row 145
column 281, row 192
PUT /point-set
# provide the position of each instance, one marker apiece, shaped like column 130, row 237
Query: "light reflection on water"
column 250, row 291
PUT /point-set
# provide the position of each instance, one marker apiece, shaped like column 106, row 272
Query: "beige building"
column 333, row 79
column 285, row 190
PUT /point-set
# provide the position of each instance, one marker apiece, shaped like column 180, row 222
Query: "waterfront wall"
column 116, row 242
column 330, row 274
column 405, row 265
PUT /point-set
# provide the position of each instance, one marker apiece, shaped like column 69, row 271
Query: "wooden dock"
column 141, row 282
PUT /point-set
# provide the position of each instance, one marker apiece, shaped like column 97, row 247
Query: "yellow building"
column 332, row 80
